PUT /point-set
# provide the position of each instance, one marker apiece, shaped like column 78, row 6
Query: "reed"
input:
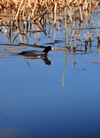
column 37, row 7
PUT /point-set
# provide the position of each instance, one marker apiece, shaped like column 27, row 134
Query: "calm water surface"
column 34, row 103
column 41, row 101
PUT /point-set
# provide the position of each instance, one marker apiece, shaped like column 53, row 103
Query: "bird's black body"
column 34, row 53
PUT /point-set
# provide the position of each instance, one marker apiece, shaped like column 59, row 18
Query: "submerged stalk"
column 64, row 69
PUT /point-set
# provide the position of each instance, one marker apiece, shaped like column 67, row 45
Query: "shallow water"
column 59, row 100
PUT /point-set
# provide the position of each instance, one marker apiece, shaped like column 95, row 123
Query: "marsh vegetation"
column 29, row 18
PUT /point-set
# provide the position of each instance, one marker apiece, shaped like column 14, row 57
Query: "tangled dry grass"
column 35, row 8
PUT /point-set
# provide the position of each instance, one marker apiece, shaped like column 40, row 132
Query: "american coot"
column 34, row 53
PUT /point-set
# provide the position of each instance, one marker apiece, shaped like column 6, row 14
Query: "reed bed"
column 25, row 18
column 34, row 9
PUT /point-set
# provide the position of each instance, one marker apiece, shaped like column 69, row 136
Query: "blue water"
column 34, row 103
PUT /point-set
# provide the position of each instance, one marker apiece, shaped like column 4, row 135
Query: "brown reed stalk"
column 19, row 9
column 33, row 10
column 55, row 13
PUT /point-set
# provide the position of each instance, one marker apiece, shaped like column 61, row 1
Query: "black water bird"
column 35, row 53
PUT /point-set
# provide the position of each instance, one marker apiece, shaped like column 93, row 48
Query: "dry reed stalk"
column 19, row 9
column 70, row 14
column 88, row 62
column 15, row 48
column 55, row 13
column 33, row 10
column 87, row 37
column 67, row 49
column 81, row 15
column 71, row 39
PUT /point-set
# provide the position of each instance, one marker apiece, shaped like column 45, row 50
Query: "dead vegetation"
column 34, row 9
column 26, row 19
